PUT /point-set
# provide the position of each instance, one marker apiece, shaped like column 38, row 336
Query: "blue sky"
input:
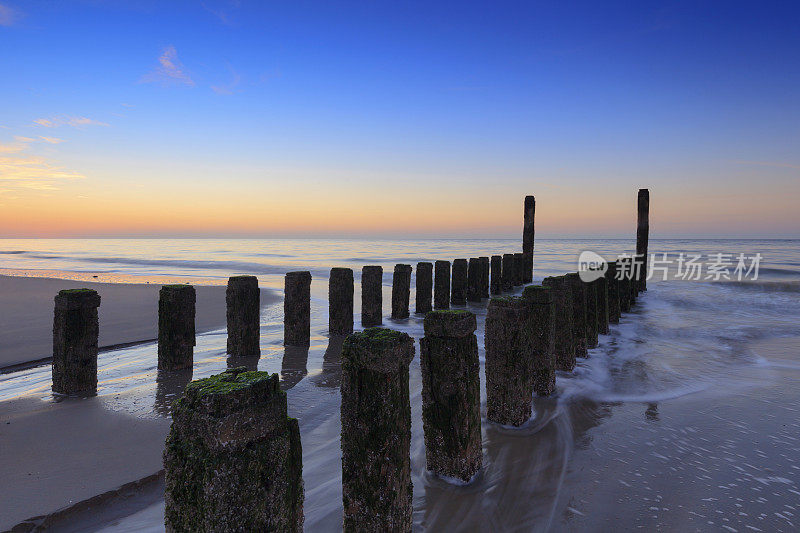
column 308, row 104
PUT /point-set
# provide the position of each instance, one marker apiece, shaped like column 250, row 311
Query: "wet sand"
column 128, row 314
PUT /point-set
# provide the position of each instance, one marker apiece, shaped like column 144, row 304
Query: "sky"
column 251, row 118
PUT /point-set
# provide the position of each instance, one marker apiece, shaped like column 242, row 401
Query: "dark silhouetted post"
column 601, row 286
column 484, row 279
column 451, row 392
column 592, row 314
column 371, row 296
column 509, row 361
column 176, row 335
column 441, row 285
column 624, row 283
column 233, row 459
column 508, row 272
column 497, row 274
column 401, row 291
column 519, row 266
column 542, row 319
column 424, row 295
column 376, row 431
column 613, row 293
column 474, row 280
column 564, row 343
column 297, row 309
column 527, row 239
column 75, row 332
column 579, row 310
column 643, row 235
column 458, row 290
column 340, row 301
column 243, row 301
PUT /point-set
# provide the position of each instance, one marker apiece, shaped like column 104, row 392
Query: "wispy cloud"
column 19, row 170
column 51, row 140
column 7, row 15
column 769, row 164
column 230, row 87
column 61, row 120
column 222, row 10
column 170, row 71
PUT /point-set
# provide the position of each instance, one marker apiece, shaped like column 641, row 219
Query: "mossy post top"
column 298, row 276
column 507, row 302
column 537, row 294
column 380, row 349
column 77, row 298
column 450, row 323
column 230, row 391
column 556, row 282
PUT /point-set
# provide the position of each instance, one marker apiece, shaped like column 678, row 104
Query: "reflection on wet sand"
column 248, row 361
column 331, row 375
column 169, row 387
column 294, row 366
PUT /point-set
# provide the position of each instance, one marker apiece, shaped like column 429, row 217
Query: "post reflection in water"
column 331, row 375
column 248, row 361
column 170, row 385
column 294, row 366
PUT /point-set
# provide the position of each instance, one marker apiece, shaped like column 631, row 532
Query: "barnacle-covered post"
column 542, row 320
column 401, row 291
column 424, row 295
column 75, row 332
column 233, row 458
column 297, row 309
column 564, row 343
column 376, row 431
column 243, row 302
column 371, row 295
column 176, row 334
column 451, row 394
column 509, row 361
column 340, row 301
column 441, row 285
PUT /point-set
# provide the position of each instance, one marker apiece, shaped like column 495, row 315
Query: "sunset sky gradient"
column 237, row 118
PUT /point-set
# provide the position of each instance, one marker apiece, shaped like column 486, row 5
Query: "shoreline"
column 128, row 315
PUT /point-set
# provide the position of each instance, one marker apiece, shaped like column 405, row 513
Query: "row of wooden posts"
column 233, row 458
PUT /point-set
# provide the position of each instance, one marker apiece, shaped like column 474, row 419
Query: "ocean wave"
column 764, row 286
column 13, row 252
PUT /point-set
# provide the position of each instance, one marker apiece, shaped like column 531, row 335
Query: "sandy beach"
column 128, row 314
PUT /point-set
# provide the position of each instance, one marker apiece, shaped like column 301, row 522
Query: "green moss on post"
column 542, row 324
column 509, row 362
column 451, row 394
column 233, row 459
column 176, row 333
column 75, row 332
column 376, row 431
column 564, row 344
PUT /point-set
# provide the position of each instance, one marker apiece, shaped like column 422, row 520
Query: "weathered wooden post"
column 75, row 332
column 509, row 361
column 401, row 291
column 441, row 285
column 424, row 294
column 371, row 295
column 508, row 272
column 176, row 335
column 527, row 239
column 233, row 458
column 497, row 274
column 542, row 319
column 613, row 293
column 297, row 309
column 376, row 431
column 579, row 311
column 243, row 302
column 623, row 267
column 458, row 289
column 519, row 267
column 451, row 392
column 474, row 280
column 634, row 283
column 643, row 235
column 601, row 286
column 484, row 278
column 340, row 301
column 591, row 314
column 564, row 341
